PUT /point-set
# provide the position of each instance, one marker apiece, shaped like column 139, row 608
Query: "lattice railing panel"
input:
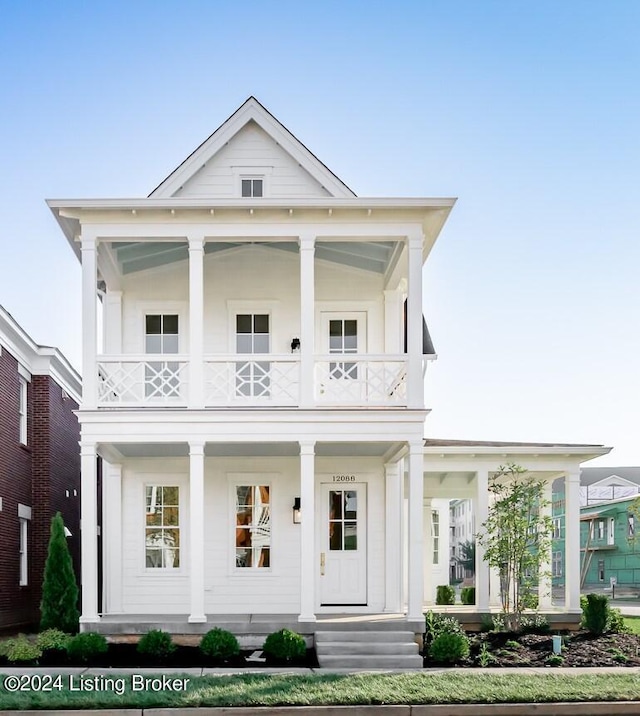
column 139, row 382
column 364, row 381
column 247, row 381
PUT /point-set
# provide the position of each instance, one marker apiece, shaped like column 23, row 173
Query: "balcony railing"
column 272, row 380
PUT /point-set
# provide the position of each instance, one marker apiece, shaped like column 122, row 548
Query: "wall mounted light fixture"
column 297, row 517
column 295, row 345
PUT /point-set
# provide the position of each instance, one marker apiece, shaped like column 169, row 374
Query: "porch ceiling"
column 374, row 256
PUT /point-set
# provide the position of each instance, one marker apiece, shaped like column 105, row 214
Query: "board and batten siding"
column 252, row 152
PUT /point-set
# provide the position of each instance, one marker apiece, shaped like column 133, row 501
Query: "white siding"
column 252, row 152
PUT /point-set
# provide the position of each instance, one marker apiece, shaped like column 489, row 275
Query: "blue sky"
column 528, row 112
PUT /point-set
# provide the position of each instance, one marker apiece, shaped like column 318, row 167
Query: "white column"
column 416, row 520
column 196, row 310
column 112, row 537
column 427, row 531
column 196, row 532
column 113, row 322
column 481, row 513
column 308, row 566
column 393, row 537
column 392, row 321
column 307, row 321
column 415, row 385
column 495, row 597
column 89, row 323
column 89, row 532
column 545, row 581
column 572, row 541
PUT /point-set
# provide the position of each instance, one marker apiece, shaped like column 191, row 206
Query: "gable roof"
column 252, row 110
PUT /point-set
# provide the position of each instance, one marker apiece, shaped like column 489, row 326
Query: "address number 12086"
column 344, row 478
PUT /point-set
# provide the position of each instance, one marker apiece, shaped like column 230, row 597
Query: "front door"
column 343, row 544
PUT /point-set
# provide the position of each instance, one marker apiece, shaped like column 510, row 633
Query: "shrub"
column 596, row 612
column 436, row 624
column 156, row 644
column 615, row 622
column 534, row 624
column 22, row 650
column 448, row 648
column 59, row 606
column 86, row 647
column 445, row 594
column 530, row 600
column 485, row 657
column 555, row 660
column 219, row 644
column 468, row 595
column 53, row 640
column 285, row 645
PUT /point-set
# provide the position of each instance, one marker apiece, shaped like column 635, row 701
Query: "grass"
column 366, row 689
column 633, row 623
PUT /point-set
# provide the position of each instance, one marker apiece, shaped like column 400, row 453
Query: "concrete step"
column 338, row 648
column 364, row 636
column 361, row 661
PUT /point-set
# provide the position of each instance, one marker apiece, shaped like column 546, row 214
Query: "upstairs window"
column 252, row 187
column 162, row 379
column 22, row 409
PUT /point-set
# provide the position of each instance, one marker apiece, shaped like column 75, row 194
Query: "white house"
column 257, row 396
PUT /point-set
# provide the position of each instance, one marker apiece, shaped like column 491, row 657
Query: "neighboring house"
column 39, row 465
column 258, row 400
column 462, row 530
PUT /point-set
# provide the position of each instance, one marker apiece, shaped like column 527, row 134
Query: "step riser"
column 371, row 662
column 381, row 637
column 353, row 648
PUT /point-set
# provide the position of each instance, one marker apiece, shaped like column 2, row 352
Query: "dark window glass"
column 261, row 323
column 243, row 323
column 154, row 325
column 246, row 187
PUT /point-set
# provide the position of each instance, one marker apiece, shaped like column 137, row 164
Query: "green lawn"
column 302, row 690
column 633, row 623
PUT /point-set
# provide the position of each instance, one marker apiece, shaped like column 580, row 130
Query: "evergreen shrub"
column 285, row 645
column 156, row 645
column 219, row 644
column 87, row 647
column 445, row 594
column 59, row 606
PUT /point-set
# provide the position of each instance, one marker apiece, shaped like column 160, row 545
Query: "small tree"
column 59, row 608
column 515, row 536
column 467, row 557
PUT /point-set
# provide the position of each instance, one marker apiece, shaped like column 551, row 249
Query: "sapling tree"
column 515, row 536
column 59, row 606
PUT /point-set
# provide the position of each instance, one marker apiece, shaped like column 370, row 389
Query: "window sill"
column 25, row 447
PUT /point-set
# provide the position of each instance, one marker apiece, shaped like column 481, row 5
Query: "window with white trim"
column 162, row 526
column 253, row 526
column 251, row 187
column 611, row 533
column 253, row 378
column 435, row 535
column 601, row 570
column 22, row 409
column 556, row 564
column 24, row 551
column 161, row 335
column 631, row 526
column 557, row 528
column 600, row 529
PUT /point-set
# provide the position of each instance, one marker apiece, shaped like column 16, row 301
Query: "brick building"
column 39, row 465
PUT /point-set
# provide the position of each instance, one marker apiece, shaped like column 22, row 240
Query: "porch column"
column 482, row 512
column 112, row 537
column 416, row 536
column 415, row 384
column 572, row 541
column 89, row 532
column 307, row 532
column 196, row 532
column 113, row 322
column 495, row 588
column 427, row 540
column 89, row 322
column 545, row 582
column 196, row 304
column 307, row 321
column 393, row 537
column 392, row 321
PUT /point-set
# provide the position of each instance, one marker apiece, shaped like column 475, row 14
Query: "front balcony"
column 240, row 380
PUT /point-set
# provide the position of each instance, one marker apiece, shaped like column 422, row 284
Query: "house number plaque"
column 344, row 478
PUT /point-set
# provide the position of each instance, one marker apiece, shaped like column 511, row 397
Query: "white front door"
column 343, row 544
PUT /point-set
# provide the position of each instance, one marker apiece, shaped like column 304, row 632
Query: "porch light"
column 296, row 511
column 295, row 344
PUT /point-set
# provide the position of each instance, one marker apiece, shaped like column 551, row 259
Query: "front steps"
column 367, row 650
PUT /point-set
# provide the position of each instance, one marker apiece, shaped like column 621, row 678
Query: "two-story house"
column 257, row 394
column 39, row 466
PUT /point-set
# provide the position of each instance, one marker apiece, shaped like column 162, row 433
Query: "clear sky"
column 528, row 111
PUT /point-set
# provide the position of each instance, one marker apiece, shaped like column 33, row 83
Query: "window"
column 601, row 570
column 631, row 526
column 253, row 378
column 343, row 520
column 162, row 379
column 22, row 409
column 162, row 528
column 24, row 551
column 343, row 338
column 253, row 526
column 251, row 187
column 611, row 534
column 591, row 530
column 600, row 529
column 556, row 564
column 557, row 528
column 435, row 535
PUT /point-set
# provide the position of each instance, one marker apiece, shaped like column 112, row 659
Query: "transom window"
column 343, row 520
column 162, row 337
column 253, row 526
column 162, row 528
column 251, row 187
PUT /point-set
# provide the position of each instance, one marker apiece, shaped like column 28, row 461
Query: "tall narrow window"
column 253, row 526
column 162, row 379
column 343, row 520
column 600, row 529
column 253, row 378
column 631, row 526
column 557, row 528
column 611, row 533
column 162, row 528
column 557, row 564
column 251, row 187
column 22, row 408
column 435, row 535
column 24, row 551
column 601, row 570
column 343, row 339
